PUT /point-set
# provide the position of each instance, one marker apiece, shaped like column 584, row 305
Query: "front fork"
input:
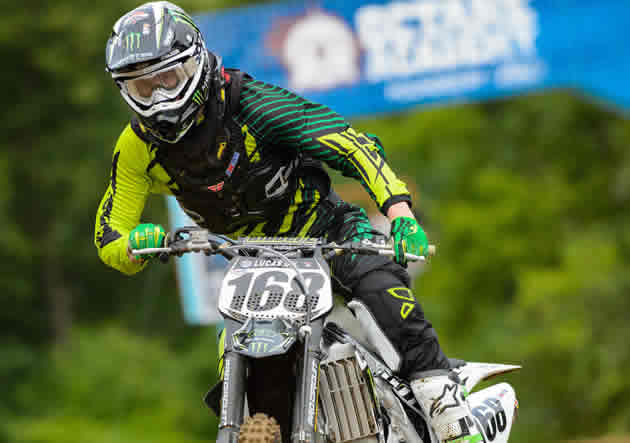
column 306, row 396
column 306, row 402
column 233, row 396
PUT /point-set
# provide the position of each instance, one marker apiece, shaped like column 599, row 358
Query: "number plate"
column 266, row 288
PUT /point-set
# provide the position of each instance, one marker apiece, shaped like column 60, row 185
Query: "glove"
column 146, row 235
column 408, row 237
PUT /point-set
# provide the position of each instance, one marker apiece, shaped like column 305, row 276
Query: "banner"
column 367, row 57
column 373, row 57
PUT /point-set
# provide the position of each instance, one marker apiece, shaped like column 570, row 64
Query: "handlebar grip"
column 149, row 251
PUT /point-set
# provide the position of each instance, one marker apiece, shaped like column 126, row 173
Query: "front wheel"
column 260, row 428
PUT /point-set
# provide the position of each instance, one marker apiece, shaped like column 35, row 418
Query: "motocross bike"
column 288, row 374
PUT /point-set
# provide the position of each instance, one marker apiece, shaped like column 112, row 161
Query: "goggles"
column 162, row 85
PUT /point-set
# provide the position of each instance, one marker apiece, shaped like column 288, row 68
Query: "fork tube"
column 233, row 397
column 305, row 410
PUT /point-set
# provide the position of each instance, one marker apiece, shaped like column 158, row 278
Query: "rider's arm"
column 122, row 205
column 282, row 118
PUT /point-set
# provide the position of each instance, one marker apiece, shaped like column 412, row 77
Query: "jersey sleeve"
column 282, row 118
column 120, row 209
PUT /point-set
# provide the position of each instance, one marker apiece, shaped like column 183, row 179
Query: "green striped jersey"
column 271, row 119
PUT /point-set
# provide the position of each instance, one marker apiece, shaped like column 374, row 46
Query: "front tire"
column 260, row 429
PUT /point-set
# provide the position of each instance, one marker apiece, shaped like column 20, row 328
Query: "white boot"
column 443, row 400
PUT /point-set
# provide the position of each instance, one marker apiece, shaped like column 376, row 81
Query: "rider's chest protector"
column 221, row 185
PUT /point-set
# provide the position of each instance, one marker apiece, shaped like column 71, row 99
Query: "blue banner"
column 371, row 57
column 365, row 57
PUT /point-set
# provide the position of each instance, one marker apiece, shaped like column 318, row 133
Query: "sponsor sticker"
column 169, row 37
column 216, row 188
column 135, row 17
column 313, row 395
column 226, row 382
column 274, row 263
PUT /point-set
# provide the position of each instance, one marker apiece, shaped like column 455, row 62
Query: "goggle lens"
column 162, row 85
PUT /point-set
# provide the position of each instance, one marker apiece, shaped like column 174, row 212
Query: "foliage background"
column 526, row 198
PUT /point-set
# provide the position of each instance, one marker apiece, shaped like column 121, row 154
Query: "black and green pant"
column 377, row 287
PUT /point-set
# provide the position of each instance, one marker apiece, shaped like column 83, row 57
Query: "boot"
column 443, row 400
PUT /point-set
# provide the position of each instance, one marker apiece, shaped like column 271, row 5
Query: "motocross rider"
column 245, row 158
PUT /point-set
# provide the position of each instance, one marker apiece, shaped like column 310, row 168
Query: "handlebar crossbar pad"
column 279, row 241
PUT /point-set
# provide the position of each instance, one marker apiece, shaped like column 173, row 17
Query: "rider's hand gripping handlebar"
column 193, row 239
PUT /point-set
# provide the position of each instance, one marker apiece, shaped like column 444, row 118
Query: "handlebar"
column 194, row 239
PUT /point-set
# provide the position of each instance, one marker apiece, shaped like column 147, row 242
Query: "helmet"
column 157, row 57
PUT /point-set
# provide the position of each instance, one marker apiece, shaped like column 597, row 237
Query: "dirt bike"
column 291, row 375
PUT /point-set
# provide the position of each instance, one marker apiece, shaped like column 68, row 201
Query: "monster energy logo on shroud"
column 132, row 41
column 197, row 98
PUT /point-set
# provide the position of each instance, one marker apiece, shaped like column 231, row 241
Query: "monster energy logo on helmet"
column 132, row 41
column 150, row 32
column 198, row 97
column 180, row 16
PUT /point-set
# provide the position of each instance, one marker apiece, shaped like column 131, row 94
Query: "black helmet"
column 158, row 59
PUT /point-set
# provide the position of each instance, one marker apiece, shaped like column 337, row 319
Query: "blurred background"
column 526, row 197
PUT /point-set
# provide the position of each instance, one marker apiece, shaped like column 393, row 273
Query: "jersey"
column 273, row 122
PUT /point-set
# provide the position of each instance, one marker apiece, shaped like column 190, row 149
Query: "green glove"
column 408, row 237
column 146, row 235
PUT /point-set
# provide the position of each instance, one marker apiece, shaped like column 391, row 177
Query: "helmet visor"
column 161, row 85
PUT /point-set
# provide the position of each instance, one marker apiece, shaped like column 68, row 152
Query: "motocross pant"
column 378, row 291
